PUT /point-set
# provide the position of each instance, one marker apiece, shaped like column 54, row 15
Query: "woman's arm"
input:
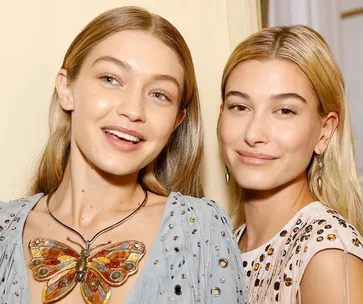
column 329, row 275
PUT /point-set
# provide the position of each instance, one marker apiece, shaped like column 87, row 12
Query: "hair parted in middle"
column 307, row 49
column 178, row 167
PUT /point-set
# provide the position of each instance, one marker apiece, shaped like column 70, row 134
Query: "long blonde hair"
column 177, row 168
column 308, row 50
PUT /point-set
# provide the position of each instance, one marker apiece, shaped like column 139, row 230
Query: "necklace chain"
column 88, row 243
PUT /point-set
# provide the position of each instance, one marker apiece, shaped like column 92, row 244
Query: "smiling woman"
column 131, row 101
column 125, row 134
column 286, row 136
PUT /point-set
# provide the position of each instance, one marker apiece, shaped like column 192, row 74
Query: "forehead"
column 141, row 50
column 268, row 77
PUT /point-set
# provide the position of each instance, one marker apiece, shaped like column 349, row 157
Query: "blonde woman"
column 125, row 132
column 287, row 141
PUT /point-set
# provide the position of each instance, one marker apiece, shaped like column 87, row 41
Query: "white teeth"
column 123, row 135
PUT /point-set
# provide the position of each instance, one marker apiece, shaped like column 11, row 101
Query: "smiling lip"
column 255, row 159
column 126, row 131
column 123, row 145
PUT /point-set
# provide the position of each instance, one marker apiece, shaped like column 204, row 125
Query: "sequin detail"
column 272, row 272
column 182, row 266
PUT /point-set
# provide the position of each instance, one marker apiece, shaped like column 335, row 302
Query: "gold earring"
column 227, row 176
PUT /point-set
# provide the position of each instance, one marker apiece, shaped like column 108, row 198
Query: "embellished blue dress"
column 194, row 259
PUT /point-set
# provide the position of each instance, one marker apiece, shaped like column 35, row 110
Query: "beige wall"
column 34, row 37
column 352, row 67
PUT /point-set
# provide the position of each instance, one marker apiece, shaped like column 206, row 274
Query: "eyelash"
column 287, row 111
column 160, row 94
column 237, row 107
column 105, row 78
column 242, row 108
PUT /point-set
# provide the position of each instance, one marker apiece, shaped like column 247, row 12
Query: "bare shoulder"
column 40, row 205
column 329, row 275
column 156, row 199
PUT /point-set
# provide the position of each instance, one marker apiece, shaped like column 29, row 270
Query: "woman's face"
column 124, row 102
column 269, row 124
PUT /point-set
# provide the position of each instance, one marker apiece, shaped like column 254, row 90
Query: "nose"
column 257, row 130
column 131, row 105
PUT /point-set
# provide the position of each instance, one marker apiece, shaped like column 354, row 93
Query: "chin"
column 260, row 187
column 263, row 183
column 256, row 186
column 116, row 168
column 258, row 182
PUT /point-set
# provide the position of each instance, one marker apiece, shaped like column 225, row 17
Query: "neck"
column 86, row 193
column 267, row 212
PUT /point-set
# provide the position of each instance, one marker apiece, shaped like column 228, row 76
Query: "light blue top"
column 206, row 268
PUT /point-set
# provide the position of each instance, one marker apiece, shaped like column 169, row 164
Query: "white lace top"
column 273, row 272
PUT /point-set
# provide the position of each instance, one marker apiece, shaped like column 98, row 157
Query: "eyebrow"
column 162, row 77
column 237, row 94
column 114, row 60
column 287, row 96
column 272, row 97
column 127, row 67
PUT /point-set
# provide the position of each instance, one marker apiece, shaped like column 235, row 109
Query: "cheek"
column 90, row 107
column 299, row 138
column 161, row 122
column 229, row 130
column 88, row 102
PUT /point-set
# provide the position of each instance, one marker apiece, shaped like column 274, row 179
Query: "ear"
column 329, row 124
column 64, row 90
column 221, row 107
column 179, row 118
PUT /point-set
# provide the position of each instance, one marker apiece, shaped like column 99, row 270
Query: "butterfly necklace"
column 63, row 267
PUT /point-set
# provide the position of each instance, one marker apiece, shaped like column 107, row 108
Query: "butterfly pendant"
column 62, row 267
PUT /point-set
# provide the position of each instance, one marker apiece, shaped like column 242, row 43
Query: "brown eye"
column 238, row 108
column 286, row 111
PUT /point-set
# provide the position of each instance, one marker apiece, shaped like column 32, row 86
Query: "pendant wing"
column 59, row 286
column 116, row 262
column 94, row 289
column 49, row 258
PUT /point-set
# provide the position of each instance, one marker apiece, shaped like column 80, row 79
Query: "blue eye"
column 159, row 95
column 109, row 79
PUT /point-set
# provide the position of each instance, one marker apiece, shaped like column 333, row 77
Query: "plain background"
column 34, row 38
column 352, row 67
